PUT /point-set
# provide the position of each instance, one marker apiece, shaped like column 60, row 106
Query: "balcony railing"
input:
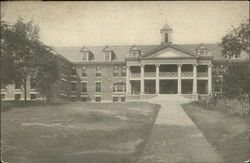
column 187, row 74
column 202, row 74
column 168, row 74
column 135, row 75
column 149, row 74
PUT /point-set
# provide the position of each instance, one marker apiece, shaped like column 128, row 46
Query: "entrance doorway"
column 168, row 86
column 187, row 86
column 149, row 86
column 135, row 87
column 202, row 86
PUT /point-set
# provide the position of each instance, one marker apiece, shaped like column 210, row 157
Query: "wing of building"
column 118, row 73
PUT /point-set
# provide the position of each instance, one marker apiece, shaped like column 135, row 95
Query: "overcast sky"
column 127, row 23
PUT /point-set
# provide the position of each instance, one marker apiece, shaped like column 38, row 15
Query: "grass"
column 76, row 132
column 228, row 134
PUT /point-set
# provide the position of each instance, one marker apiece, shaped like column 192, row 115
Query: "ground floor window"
column 97, row 99
column 17, row 96
column 32, row 96
column 115, row 99
column 84, row 99
column 2, row 96
column 123, row 99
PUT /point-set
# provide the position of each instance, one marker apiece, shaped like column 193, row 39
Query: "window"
column 84, row 72
column 32, row 85
column 98, row 71
column 17, row 96
column 73, row 72
column 119, row 87
column 115, row 99
column 17, row 85
column 84, row 87
column 98, row 87
column 97, row 99
column 166, row 37
column 84, row 99
column 73, row 86
column 123, row 99
column 2, row 96
column 107, row 56
column 124, row 71
column 32, row 96
column 115, row 71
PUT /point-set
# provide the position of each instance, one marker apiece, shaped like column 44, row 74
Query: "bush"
column 235, row 106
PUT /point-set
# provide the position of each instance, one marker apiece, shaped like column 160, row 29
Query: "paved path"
column 175, row 138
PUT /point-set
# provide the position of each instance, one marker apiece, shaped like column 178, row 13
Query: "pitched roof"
column 73, row 54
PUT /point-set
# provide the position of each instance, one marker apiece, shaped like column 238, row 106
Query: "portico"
column 169, row 79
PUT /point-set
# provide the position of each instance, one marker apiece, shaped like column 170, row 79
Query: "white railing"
column 149, row 74
column 202, row 74
column 168, row 74
column 187, row 74
column 135, row 75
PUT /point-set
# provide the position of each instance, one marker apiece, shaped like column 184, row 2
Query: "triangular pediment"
column 169, row 52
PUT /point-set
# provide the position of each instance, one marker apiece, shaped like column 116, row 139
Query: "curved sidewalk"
column 175, row 138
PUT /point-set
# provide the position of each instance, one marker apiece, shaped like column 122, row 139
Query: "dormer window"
column 86, row 54
column 108, row 54
column 134, row 52
column 202, row 50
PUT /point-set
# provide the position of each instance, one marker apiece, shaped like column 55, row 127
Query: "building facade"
column 120, row 73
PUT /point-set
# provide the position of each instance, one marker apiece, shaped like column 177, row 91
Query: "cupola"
column 166, row 34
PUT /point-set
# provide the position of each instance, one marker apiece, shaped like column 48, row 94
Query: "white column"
column 127, row 80
column 157, row 81
column 142, row 79
column 194, row 78
column 209, row 79
column 179, row 78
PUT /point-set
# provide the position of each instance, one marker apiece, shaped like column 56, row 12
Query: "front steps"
column 163, row 97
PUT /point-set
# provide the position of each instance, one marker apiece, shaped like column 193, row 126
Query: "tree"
column 233, row 44
column 17, row 48
column 23, row 57
column 46, row 75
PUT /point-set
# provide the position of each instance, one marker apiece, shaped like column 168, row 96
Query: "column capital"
column 142, row 65
column 179, row 65
column 127, row 66
column 195, row 65
column 209, row 65
column 157, row 65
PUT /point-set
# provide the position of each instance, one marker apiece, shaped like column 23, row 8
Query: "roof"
column 166, row 26
column 73, row 54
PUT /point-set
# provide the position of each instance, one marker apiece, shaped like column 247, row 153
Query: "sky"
column 127, row 23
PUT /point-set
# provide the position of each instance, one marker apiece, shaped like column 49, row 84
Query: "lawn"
column 76, row 132
column 228, row 134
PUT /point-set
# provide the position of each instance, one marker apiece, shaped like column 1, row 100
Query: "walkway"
column 175, row 138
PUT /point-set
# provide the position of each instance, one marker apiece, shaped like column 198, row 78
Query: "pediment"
column 169, row 52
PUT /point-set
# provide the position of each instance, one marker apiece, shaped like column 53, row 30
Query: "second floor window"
column 84, row 72
column 119, row 87
column 98, row 71
column 17, row 84
column 73, row 72
column 98, row 87
column 73, row 86
column 124, row 71
column 32, row 85
column 84, row 87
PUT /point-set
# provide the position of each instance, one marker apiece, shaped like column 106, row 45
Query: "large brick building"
column 119, row 73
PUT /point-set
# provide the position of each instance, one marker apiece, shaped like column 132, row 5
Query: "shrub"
column 235, row 106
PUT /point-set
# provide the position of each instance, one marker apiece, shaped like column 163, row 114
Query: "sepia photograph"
column 125, row 82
